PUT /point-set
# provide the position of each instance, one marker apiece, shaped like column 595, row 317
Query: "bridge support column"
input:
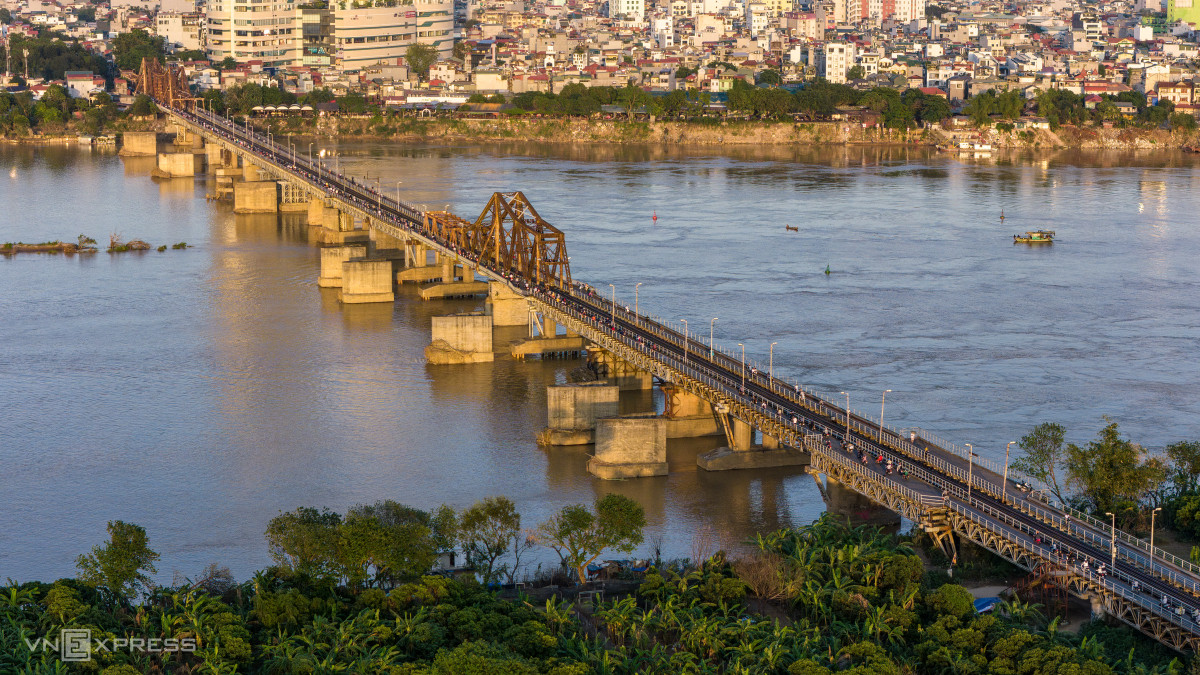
column 687, row 415
column 461, row 338
column 251, row 173
column 625, row 375
column 506, row 306
column 384, row 245
column 629, row 447
column 741, row 454
column 449, row 288
column 139, row 144
column 214, row 157
column 843, row 501
column 572, row 410
column 177, row 165
column 256, row 197
column 366, row 281
column 332, row 260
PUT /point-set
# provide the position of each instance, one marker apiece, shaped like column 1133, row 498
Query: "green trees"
column 1045, row 457
column 130, row 48
column 580, row 536
column 420, row 57
column 769, row 77
column 375, row 546
column 486, row 530
column 1111, row 473
column 856, row 73
column 142, row 105
column 123, row 564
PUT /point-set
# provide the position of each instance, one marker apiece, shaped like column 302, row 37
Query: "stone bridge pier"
column 461, row 338
column 625, row 375
column 740, row 451
column 572, row 411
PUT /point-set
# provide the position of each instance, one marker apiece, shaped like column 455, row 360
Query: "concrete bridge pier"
column 572, row 411
column 139, row 144
column 687, row 415
column 633, row 446
column 461, row 338
column 506, row 306
column 457, row 281
column 178, row 165
column 256, row 196
column 366, row 280
column 333, row 258
column 742, row 453
column 621, row 373
column 843, row 501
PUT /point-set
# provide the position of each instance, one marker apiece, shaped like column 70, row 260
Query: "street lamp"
column 846, row 441
column 882, row 401
column 970, row 469
column 378, row 194
column 685, row 339
column 1004, row 491
column 635, row 301
column 310, row 153
column 614, row 305
column 398, row 192
column 710, row 332
column 1152, row 514
column 1113, row 538
column 743, row 366
column 771, row 362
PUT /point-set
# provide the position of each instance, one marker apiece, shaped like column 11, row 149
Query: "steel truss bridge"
column 946, row 491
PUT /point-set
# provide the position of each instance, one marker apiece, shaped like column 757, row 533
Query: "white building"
column 630, row 10
column 381, row 34
column 253, row 32
column 180, row 31
column 832, row 60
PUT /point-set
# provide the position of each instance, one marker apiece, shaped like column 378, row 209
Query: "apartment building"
column 253, row 30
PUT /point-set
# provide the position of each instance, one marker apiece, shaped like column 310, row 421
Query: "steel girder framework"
column 518, row 240
column 166, row 84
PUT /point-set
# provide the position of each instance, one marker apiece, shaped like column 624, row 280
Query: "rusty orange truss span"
column 167, row 85
column 511, row 235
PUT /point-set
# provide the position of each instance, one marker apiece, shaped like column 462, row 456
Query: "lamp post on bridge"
column 310, row 153
column 970, row 469
column 614, row 306
column 1113, row 539
column 882, row 401
column 1152, row 514
column 710, row 333
column 771, row 362
column 636, row 318
column 378, row 194
column 846, row 440
column 1004, row 490
column 743, row 367
column 398, row 192
column 685, row 339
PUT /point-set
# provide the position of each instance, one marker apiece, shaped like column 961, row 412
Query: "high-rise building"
column 247, row 30
column 630, row 10
column 1187, row 11
column 380, row 34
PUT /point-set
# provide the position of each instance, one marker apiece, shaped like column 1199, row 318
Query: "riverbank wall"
column 736, row 133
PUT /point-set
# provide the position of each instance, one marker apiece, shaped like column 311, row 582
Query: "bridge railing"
column 1141, row 554
column 1108, row 583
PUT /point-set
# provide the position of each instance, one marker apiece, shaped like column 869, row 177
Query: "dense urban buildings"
column 953, row 49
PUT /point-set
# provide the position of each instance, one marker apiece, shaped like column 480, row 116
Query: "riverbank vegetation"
column 1113, row 475
column 350, row 593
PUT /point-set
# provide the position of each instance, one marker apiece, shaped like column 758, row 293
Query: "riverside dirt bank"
column 737, row 133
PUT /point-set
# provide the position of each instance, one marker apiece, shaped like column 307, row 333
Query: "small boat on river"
column 1034, row 237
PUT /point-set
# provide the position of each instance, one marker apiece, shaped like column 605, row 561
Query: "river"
column 200, row 392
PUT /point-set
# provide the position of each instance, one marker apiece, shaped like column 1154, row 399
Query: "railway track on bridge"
column 973, row 505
